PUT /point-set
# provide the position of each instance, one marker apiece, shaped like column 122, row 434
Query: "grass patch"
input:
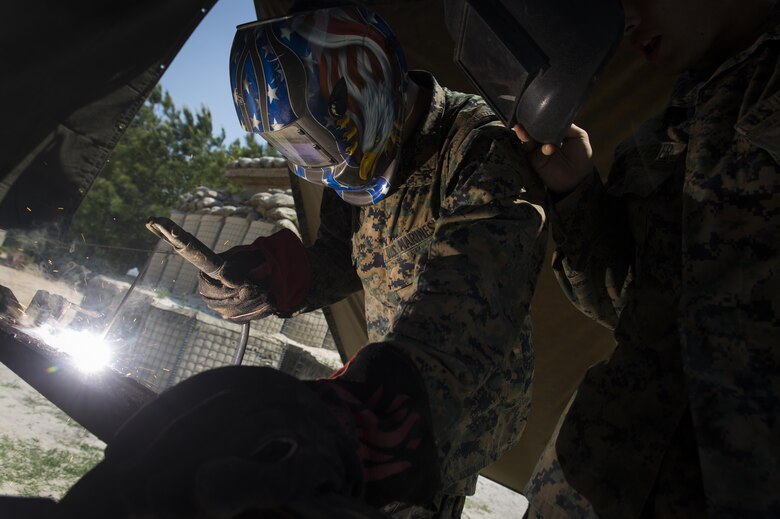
column 10, row 385
column 34, row 401
column 63, row 417
column 42, row 472
column 482, row 507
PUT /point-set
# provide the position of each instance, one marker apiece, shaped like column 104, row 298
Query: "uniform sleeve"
column 475, row 282
column 594, row 250
column 333, row 273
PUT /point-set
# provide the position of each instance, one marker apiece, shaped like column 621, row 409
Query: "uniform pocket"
column 761, row 126
column 645, row 168
column 646, row 188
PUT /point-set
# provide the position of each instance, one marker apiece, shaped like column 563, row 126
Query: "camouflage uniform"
column 678, row 253
column 448, row 263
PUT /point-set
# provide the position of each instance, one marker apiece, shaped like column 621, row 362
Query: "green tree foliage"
column 250, row 148
column 166, row 152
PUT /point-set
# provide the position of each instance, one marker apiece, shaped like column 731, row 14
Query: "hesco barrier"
column 166, row 334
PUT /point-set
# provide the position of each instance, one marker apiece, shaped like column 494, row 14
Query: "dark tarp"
column 74, row 75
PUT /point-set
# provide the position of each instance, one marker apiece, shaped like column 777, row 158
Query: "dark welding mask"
column 534, row 61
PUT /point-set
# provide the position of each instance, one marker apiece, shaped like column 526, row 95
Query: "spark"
column 87, row 350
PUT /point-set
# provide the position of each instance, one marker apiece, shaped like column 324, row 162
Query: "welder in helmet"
column 431, row 209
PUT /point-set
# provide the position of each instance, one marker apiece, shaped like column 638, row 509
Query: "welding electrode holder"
column 186, row 245
column 199, row 255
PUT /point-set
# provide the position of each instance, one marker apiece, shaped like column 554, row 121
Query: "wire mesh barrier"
column 153, row 357
column 165, row 333
column 163, row 344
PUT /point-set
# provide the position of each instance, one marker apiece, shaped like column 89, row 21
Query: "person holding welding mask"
column 678, row 253
column 429, row 203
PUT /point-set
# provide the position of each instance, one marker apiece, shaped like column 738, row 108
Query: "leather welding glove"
column 270, row 276
column 380, row 399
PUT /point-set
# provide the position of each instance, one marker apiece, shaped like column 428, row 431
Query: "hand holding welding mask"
column 269, row 276
column 561, row 168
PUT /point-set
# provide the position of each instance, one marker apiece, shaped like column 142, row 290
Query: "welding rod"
column 124, row 299
column 198, row 254
column 186, row 245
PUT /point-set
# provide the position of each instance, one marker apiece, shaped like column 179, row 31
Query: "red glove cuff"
column 380, row 400
column 287, row 262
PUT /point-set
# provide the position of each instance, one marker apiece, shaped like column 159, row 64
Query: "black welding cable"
column 239, row 355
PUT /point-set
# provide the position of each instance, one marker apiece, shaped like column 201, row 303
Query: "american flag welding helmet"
column 326, row 88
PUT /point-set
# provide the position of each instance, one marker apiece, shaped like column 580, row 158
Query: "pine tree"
column 167, row 151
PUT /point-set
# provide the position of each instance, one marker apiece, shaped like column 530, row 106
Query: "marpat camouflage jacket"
column 448, row 263
column 678, row 253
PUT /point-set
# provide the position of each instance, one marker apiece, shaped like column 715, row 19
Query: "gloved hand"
column 379, row 397
column 248, row 442
column 270, row 276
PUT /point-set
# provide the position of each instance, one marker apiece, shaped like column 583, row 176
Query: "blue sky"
column 199, row 73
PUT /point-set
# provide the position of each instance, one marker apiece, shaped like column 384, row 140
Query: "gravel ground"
column 43, row 452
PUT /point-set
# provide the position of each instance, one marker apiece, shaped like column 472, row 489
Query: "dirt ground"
column 24, row 284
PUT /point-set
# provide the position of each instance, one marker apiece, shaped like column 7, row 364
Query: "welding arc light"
column 87, row 350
